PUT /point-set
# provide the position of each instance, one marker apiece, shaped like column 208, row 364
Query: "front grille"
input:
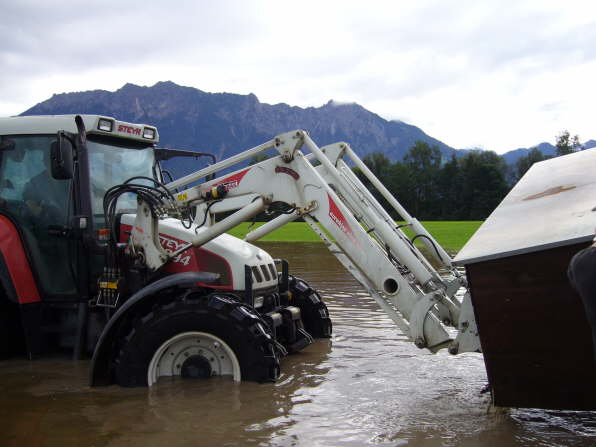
column 273, row 271
column 263, row 272
column 266, row 273
column 256, row 274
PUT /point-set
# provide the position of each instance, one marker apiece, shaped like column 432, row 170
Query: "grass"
column 290, row 232
column 452, row 235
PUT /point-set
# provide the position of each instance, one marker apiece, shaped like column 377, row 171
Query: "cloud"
column 452, row 67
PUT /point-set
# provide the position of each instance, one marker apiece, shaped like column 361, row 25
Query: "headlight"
column 149, row 133
column 105, row 125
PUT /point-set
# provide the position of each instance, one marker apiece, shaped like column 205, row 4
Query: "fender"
column 100, row 363
column 7, row 289
column 20, row 278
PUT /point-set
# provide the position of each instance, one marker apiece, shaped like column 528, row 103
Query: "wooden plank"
column 535, row 336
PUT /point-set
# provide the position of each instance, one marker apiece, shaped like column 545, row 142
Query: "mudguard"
column 16, row 276
column 100, row 363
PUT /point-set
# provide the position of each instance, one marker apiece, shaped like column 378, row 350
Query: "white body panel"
column 238, row 253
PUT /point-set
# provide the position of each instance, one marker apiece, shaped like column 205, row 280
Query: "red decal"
column 125, row 231
column 197, row 260
column 288, row 171
column 232, row 181
column 340, row 220
column 191, row 260
column 129, row 129
column 185, row 259
column 17, row 263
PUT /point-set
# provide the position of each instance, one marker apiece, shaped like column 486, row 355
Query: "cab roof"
column 49, row 124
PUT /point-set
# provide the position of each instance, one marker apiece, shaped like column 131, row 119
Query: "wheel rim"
column 169, row 359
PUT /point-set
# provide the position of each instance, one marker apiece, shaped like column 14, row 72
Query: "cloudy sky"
column 493, row 74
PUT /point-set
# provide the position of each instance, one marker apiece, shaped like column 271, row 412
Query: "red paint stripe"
column 17, row 263
column 338, row 218
column 233, row 180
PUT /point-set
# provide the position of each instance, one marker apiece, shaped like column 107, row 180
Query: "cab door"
column 39, row 206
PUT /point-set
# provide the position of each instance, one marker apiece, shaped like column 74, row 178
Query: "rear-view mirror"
column 62, row 157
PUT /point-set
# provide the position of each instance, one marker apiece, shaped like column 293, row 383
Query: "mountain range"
column 226, row 123
column 546, row 148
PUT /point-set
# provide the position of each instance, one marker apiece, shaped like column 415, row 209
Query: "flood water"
column 365, row 386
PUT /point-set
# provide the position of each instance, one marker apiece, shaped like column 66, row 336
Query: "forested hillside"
column 468, row 187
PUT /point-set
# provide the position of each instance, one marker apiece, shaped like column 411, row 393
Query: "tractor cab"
column 54, row 202
column 51, row 206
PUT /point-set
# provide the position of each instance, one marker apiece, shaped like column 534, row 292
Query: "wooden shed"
column 534, row 333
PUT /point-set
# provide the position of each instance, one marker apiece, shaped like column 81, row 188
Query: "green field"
column 451, row 235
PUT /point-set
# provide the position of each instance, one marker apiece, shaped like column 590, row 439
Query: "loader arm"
column 354, row 226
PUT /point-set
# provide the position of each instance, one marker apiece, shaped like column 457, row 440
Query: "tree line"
column 462, row 188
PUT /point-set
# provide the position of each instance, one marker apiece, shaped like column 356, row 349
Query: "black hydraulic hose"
column 389, row 254
column 159, row 184
column 206, row 214
column 432, row 243
column 153, row 196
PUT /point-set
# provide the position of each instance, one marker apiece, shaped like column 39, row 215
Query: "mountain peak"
column 226, row 123
column 336, row 103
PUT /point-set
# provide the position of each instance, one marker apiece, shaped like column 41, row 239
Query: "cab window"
column 37, row 202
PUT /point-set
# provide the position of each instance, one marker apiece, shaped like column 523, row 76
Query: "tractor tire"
column 315, row 315
column 198, row 337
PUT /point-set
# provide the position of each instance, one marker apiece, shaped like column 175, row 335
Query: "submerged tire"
column 198, row 337
column 12, row 338
column 315, row 315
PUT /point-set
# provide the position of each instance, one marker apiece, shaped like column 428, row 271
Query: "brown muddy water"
column 365, row 386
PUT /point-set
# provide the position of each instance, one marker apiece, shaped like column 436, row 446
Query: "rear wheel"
column 198, row 337
column 313, row 310
column 12, row 338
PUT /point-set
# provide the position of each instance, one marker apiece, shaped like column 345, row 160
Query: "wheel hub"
column 196, row 367
column 193, row 355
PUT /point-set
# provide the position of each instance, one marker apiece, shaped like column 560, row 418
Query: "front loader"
column 351, row 222
column 106, row 257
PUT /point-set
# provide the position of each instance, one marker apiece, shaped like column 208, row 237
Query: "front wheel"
column 315, row 315
column 193, row 355
column 198, row 337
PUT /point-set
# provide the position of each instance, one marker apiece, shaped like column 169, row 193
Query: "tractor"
column 101, row 256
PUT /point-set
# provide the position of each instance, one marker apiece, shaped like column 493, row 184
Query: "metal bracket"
column 335, row 151
column 467, row 339
column 145, row 237
column 310, row 207
column 419, row 314
column 284, row 145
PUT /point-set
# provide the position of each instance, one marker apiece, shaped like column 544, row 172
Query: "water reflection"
column 364, row 386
